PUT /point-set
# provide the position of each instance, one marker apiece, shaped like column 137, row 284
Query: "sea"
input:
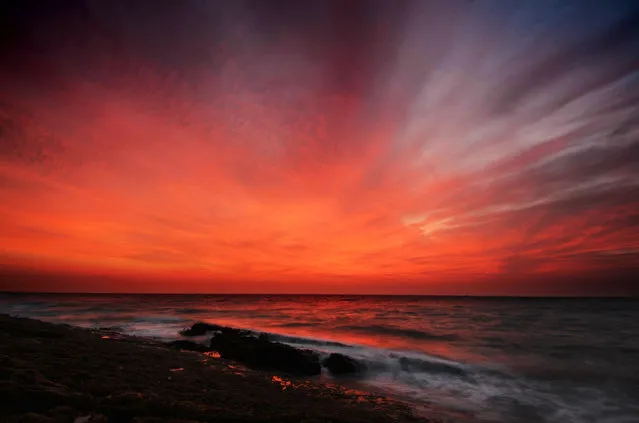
column 479, row 359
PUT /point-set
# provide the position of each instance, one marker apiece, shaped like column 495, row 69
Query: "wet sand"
column 57, row 373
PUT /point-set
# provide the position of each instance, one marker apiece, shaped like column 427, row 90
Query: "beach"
column 58, row 373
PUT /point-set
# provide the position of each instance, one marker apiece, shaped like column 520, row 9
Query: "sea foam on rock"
column 200, row 328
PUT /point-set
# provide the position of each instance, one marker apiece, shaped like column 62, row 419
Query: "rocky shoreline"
column 258, row 351
column 57, row 373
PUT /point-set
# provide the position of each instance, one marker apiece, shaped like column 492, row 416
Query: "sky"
column 412, row 147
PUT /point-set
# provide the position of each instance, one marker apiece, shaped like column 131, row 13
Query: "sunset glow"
column 437, row 147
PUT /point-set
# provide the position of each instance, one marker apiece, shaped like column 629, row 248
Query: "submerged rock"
column 262, row 354
column 188, row 345
column 340, row 364
column 200, row 328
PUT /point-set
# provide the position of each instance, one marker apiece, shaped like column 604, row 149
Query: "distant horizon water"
column 319, row 294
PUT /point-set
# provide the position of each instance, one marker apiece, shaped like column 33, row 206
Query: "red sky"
column 366, row 149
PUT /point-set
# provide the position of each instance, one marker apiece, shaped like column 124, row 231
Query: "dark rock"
column 254, row 351
column 188, row 345
column 260, row 353
column 200, row 328
column 340, row 364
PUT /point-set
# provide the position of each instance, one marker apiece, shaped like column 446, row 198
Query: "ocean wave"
column 157, row 319
column 395, row 331
column 430, row 365
column 24, row 307
column 296, row 340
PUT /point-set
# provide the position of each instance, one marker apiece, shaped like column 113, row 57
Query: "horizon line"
column 634, row 296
